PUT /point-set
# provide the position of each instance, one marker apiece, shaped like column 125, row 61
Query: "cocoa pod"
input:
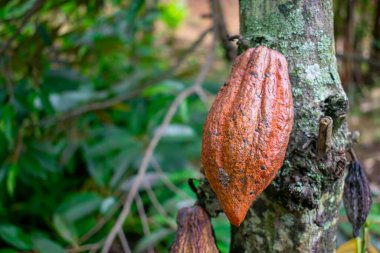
column 357, row 198
column 194, row 234
column 247, row 130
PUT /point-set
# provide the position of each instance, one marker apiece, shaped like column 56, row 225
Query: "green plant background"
column 65, row 164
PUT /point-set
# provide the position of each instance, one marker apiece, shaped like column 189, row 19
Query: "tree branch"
column 152, row 145
column 221, row 30
column 359, row 58
column 143, row 218
column 124, row 242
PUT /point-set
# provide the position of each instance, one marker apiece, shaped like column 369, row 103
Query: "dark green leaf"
column 15, row 236
column 79, row 206
column 43, row 245
column 13, row 170
column 65, row 229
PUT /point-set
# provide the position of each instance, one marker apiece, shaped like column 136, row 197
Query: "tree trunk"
column 298, row 212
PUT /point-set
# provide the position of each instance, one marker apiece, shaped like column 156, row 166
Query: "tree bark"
column 298, row 212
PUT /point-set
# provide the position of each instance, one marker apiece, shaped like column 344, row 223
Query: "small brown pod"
column 357, row 197
column 247, row 130
column 194, row 234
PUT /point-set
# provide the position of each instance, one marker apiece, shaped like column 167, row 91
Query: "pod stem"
column 353, row 154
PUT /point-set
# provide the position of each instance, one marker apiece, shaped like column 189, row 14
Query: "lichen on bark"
column 298, row 211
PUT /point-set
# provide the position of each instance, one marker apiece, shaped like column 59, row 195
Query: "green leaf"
column 173, row 13
column 13, row 10
column 3, row 172
column 43, row 245
column 107, row 204
column 169, row 87
column 15, row 236
column 178, row 133
column 8, row 251
column 184, row 111
column 13, row 170
column 152, row 239
column 7, row 115
column 96, row 170
column 65, row 229
column 79, row 206
column 46, row 104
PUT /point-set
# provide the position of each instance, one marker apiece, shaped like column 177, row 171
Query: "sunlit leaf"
column 173, row 12
column 177, row 133
column 107, row 204
column 13, row 170
column 169, row 87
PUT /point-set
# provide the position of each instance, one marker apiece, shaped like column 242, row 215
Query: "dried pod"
column 194, row 234
column 247, row 130
column 356, row 196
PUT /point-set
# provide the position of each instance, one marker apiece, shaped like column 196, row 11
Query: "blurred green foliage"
column 84, row 86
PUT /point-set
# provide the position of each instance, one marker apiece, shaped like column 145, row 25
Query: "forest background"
column 94, row 92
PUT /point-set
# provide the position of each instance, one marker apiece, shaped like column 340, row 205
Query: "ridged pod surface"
column 194, row 234
column 247, row 130
column 357, row 197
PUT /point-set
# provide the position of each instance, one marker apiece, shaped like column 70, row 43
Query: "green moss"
column 324, row 48
column 277, row 28
column 287, row 219
column 303, row 120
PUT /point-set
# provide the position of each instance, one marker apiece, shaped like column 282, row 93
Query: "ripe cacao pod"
column 194, row 234
column 247, row 130
column 357, row 197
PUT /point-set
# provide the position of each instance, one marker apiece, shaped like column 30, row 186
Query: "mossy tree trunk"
column 298, row 212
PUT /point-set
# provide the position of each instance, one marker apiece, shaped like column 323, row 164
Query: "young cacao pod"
column 194, row 234
column 357, row 198
column 247, row 130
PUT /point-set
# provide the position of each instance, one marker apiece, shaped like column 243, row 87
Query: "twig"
column 37, row 5
column 221, row 30
column 203, row 96
column 7, row 72
column 100, row 105
column 155, row 201
column 352, row 154
column 166, row 180
column 98, row 226
column 19, row 146
column 143, row 218
column 359, row 58
column 124, row 241
column 87, row 247
column 171, row 186
column 152, row 145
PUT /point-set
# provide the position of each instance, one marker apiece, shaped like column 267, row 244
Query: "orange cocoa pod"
column 247, row 130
